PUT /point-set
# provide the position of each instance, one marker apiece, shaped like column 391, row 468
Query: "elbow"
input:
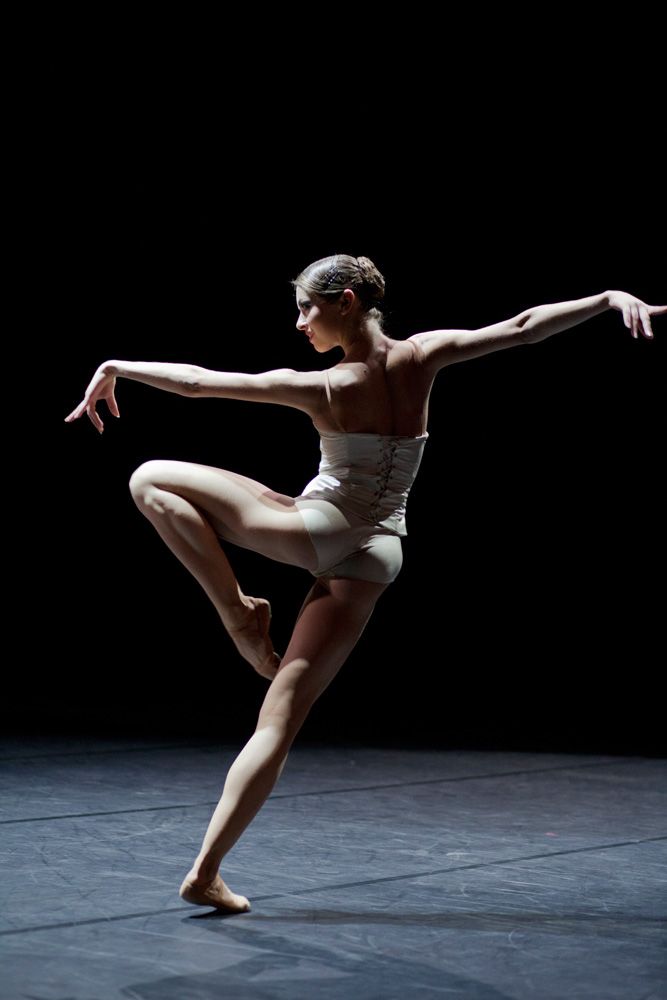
column 194, row 381
column 525, row 329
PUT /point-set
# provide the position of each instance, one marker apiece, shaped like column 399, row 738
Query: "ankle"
column 203, row 872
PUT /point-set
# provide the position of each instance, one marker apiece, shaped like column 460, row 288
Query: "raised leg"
column 192, row 507
column 328, row 627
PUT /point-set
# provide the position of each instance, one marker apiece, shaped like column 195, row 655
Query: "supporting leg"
column 328, row 627
column 249, row 782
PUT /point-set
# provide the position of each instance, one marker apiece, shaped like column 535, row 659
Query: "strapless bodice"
column 368, row 474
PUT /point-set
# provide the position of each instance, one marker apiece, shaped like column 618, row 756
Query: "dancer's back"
column 385, row 393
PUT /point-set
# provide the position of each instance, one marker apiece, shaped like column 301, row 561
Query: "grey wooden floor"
column 372, row 873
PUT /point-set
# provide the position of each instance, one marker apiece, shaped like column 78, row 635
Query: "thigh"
column 329, row 625
column 239, row 509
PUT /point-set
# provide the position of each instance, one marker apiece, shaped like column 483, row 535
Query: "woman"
column 371, row 412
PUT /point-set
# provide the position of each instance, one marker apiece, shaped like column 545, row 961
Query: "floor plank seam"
column 316, row 792
column 340, row 885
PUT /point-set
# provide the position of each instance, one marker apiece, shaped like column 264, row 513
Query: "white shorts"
column 347, row 545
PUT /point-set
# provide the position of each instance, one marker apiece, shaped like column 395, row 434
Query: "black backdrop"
column 528, row 611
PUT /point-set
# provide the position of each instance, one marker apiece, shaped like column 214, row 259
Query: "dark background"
column 529, row 610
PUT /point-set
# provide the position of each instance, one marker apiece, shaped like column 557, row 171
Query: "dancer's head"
column 337, row 298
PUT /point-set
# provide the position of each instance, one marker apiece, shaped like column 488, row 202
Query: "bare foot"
column 249, row 628
column 214, row 893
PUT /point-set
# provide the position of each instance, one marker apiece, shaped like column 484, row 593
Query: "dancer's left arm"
column 446, row 347
column 543, row 321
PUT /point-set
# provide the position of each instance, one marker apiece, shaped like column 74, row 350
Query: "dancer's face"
column 317, row 320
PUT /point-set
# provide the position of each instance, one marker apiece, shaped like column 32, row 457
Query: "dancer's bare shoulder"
column 439, row 348
column 384, row 393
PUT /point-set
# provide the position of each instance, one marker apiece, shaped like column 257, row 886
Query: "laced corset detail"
column 368, row 474
column 385, row 470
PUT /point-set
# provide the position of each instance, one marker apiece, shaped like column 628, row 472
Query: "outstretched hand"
column 636, row 314
column 101, row 387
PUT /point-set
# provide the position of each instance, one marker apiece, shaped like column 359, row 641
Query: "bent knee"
column 147, row 474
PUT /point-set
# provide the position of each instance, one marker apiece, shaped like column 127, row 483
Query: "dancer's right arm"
column 286, row 386
column 163, row 375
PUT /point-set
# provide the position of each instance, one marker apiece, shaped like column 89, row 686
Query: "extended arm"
column 161, row 374
column 302, row 390
column 445, row 347
column 540, row 322
column 287, row 386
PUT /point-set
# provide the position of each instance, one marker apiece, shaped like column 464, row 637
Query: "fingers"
column 76, row 412
column 95, row 417
column 636, row 317
column 639, row 315
column 646, row 321
column 627, row 318
column 88, row 408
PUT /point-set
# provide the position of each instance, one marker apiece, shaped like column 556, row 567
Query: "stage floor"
column 373, row 872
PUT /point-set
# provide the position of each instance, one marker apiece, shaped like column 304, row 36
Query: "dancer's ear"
column 346, row 300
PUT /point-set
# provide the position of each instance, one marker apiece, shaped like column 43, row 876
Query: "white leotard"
column 354, row 508
column 369, row 475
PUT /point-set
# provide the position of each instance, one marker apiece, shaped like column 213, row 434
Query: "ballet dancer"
column 345, row 528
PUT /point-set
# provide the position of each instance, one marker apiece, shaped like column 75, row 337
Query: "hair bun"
column 372, row 278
